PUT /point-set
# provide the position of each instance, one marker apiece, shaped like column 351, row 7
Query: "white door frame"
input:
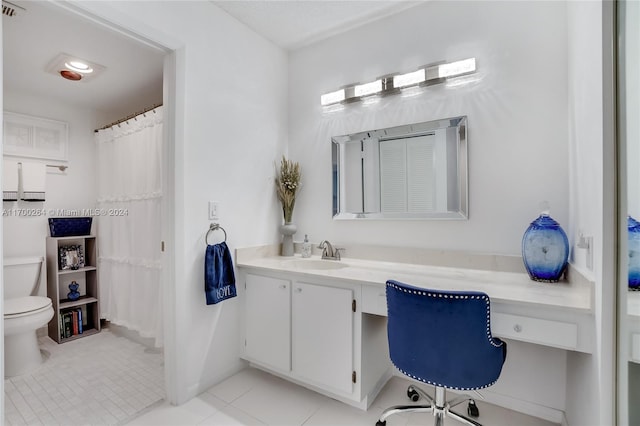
column 103, row 14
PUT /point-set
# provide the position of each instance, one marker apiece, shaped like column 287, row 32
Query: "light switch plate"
column 214, row 210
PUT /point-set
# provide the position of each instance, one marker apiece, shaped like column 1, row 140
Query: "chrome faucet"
column 328, row 251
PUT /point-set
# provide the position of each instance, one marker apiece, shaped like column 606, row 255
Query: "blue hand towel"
column 219, row 279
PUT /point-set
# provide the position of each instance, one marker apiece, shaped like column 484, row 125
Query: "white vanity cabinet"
column 268, row 321
column 322, row 335
column 326, row 343
column 310, row 331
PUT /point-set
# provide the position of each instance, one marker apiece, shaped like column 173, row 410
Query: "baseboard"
column 123, row 331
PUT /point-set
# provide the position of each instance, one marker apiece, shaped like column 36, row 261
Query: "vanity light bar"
column 453, row 69
column 367, row 89
column 332, row 97
column 410, row 79
column 391, row 84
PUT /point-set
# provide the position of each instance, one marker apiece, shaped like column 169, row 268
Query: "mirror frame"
column 407, row 131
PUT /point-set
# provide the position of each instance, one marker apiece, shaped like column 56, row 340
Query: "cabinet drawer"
column 535, row 330
column 374, row 300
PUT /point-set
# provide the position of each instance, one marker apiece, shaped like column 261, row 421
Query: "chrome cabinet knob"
column 517, row 328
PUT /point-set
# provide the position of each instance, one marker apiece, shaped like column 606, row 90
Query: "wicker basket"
column 69, row 226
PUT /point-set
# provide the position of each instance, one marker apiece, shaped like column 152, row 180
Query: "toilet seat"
column 22, row 306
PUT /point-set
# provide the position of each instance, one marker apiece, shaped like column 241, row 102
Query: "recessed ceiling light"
column 71, row 75
column 74, row 68
column 78, row 66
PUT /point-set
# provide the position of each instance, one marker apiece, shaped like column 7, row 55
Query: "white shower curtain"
column 129, row 223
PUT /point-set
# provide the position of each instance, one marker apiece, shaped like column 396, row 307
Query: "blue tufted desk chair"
column 442, row 338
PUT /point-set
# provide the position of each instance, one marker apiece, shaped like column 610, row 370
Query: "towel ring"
column 215, row 227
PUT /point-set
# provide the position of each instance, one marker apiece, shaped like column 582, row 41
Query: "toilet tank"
column 21, row 275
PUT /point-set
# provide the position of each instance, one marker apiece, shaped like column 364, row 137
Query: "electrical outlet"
column 214, row 210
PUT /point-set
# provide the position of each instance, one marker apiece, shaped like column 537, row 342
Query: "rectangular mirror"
column 415, row 171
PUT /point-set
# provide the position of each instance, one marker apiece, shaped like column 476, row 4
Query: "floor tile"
column 204, row 405
column 279, row 402
column 336, row 413
column 239, row 384
column 82, row 382
column 166, row 415
column 231, row 416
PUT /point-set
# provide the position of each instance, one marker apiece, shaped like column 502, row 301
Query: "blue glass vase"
column 633, row 226
column 545, row 249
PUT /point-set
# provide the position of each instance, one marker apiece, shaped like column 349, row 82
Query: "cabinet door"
column 323, row 335
column 268, row 321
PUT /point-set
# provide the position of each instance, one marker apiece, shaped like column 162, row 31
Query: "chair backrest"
column 443, row 337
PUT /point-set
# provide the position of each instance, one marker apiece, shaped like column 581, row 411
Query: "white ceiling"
column 132, row 79
column 295, row 23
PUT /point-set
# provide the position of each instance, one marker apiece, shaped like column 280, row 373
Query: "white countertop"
column 506, row 287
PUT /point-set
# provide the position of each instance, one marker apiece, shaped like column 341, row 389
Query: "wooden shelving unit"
column 58, row 281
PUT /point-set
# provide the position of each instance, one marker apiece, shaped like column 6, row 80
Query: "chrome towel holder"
column 215, row 227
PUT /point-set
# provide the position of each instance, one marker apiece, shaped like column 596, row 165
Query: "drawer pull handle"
column 517, row 328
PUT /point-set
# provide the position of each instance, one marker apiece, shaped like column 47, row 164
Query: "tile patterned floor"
column 253, row 397
column 101, row 379
column 109, row 380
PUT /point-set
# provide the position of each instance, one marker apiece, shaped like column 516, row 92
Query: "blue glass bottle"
column 633, row 227
column 545, row 249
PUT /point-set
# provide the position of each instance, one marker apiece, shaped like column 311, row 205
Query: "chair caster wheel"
column 412, row 394
column 472, row 409
column 379, row 423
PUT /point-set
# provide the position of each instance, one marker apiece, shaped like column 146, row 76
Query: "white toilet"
column 23, row 314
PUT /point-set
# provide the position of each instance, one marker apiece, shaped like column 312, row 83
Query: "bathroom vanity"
column 321, row 323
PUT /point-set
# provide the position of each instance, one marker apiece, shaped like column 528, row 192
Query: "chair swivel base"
column 439, row 407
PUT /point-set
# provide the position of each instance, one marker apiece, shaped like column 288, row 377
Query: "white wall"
column 590, row 381
column 518, row 139
column 73, row 189
column 516, row 104
column 232, row 127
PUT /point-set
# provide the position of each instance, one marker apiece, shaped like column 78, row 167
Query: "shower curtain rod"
column 128, row 117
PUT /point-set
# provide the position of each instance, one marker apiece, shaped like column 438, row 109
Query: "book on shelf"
column 71, row 323
column 68, row 327
column 74, row 319
column 80, row 321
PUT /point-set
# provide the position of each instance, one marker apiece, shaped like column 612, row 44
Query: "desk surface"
column 505, row 287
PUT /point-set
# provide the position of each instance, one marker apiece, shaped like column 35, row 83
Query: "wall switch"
column 587, row 243
column 214, row 210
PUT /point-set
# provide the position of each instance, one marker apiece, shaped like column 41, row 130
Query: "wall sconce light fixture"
column 432, row 74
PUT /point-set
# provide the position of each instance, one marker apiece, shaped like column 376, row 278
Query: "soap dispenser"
column 306, row 247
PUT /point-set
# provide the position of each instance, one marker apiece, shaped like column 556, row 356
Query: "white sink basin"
column 316, row 264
